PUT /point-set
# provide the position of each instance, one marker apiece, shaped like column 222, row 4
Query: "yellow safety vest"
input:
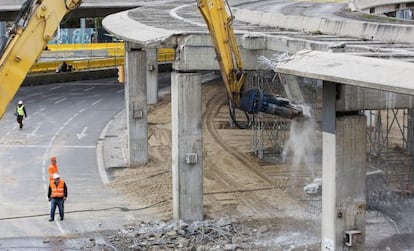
column 20, row 110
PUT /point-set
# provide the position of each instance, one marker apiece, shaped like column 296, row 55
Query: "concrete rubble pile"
column 220, row 234
column 176, row 234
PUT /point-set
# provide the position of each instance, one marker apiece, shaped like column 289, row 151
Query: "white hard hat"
column 20, row 102
column 56, row 176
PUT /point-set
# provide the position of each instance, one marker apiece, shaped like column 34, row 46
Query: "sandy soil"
column 266, row 201
column 236, row 184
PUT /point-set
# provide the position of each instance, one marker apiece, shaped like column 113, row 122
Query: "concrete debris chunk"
column 315, row 188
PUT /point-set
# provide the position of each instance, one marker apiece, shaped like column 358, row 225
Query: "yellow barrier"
column 113, row 49
column 91, row 46
column 115, row 52
column 165, row 55
column 78, row 65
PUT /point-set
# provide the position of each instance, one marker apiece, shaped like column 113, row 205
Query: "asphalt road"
column 65, row 120
column 299, row 8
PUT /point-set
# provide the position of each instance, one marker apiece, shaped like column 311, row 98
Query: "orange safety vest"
column 59, row 190
column 52, row 170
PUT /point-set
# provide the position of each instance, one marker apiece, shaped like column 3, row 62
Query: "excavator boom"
column 35, row 25
column 219, row 20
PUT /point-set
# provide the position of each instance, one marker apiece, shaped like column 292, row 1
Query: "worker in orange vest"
column 57, row 194
column 53, row 168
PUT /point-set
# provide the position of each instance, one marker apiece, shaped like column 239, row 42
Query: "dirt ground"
column 236, row 184
column 249, row 204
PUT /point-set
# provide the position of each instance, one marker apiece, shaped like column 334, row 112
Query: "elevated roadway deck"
column 161, row 25
column 89, row 8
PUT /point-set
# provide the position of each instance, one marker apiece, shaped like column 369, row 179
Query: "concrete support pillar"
column 3, row 32
column 82, row 30
column 410, row 141
column 136, row 104
column 343, row 175
column 187, row 148
column 410, row 132
column 152, row 75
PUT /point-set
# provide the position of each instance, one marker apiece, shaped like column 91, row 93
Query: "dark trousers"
column 20, row 120
column 59, row 202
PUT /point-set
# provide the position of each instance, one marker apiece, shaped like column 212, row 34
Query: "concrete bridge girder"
column 351, row 98
column 191, row 47
column 9, row 12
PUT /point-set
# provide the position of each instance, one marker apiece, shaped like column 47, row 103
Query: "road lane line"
column 97, row 102
column 47, row 146
column 56, row 87
column 174, row 14
column 60, row 100
column 60, row 227
column 47, row 153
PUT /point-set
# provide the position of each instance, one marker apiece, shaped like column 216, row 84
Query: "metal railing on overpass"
column 81, row 57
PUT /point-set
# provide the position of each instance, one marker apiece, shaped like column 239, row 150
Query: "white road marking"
column 83, row 133
column 48, row 147
column 60, row 227
column 88, row 89
column 174, row 14
column 45, row 146
column 56, row 87
column 60, row 100
column 8, row 133
column 97, row 102
column 33, row 133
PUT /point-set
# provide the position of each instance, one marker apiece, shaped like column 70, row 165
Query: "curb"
column 100, row 149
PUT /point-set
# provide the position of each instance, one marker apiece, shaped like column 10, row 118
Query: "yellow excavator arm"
column 35, row 25
column 217, row 15
column 218, row 18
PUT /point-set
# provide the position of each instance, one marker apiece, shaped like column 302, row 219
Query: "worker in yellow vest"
column 20, row 112
column 57, row 194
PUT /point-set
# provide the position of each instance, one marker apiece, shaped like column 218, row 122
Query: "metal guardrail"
column 114, row 56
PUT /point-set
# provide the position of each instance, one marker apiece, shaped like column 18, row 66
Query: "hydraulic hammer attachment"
column 254, row 101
